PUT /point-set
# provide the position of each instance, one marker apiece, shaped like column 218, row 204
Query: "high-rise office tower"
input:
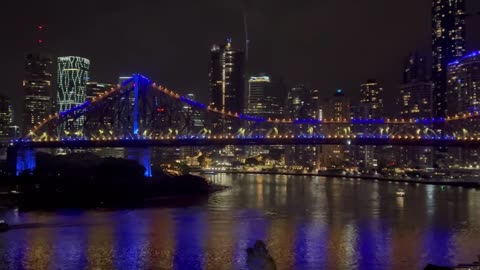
column 335, row 107
column 371, row 106
column 72, row 81
column 448, row 44
column 6, row 125
column 6, row 117
column 296, row 99
column 37, row 85
column 227, row 90
column 372, row 98
column 302, row 103
column 196, row 124
column 416, row 89
column 98, row 124
column 463, row 91
column 463, row 95
column 415, row 102
column 94, row 89
column 257, row 93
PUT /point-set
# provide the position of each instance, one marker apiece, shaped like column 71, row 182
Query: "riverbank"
column 38, row 192
column 456, row 183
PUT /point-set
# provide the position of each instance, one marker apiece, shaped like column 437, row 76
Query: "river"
column 306, row 222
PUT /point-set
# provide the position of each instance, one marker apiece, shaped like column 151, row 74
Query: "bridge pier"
column 20, row 160
column 143, row 157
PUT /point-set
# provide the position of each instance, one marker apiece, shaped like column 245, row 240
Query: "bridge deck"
column 178, row 142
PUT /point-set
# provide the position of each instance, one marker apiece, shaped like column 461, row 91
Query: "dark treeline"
column 86, row 180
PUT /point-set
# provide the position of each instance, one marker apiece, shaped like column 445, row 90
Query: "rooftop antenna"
column 40, row 31
column 245, row 27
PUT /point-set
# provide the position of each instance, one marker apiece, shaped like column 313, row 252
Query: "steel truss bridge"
column 140, row 114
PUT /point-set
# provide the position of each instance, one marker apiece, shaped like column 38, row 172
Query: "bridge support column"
column 20, row 160
column 143, row 157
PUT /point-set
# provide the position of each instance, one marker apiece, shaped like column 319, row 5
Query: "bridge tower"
column 20, row 160
column 141, row 155
column 136, row 89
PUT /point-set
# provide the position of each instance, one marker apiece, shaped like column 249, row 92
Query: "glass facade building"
column 72, row 81
column 37, row 86
column 227, row 82
column 448, row 44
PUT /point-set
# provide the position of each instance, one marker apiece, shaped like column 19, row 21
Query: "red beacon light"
column 40, row 41
column 40, row 27
column 160, row 110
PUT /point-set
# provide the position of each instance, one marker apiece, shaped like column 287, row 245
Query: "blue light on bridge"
column 76, row 108
column 193, row 103
column 251, row 118
column 473, row 54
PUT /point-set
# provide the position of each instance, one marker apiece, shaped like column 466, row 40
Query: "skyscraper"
column 416, row 90
column 463, row 91
column 415, row 102
column 227, row 91
column 72, row 81
column 94, row 89
column 103, row 123
column 37, row 85
column 6, row 118
column 372, row 98
column 463, row 95
column 302, row 104
column 335, row 107
column 371, row 107
column 296, row 99
column 448, row 43
column 257, row 93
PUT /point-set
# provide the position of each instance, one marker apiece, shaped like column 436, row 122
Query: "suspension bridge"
column 140, row 114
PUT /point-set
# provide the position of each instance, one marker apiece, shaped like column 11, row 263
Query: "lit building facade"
column 372, row 98
column 37, row 86
column 296, row 99
column 302, row 103
column 448, row 44
column 335, row 107
column 416, row 89
column 6, row 118
column 463, row 92
column 257, row 91
column 463, row 95
column 416, row 96
column 196, row 123
column 227, row 82
column 370, row 107
column 94, row 89
column 72, row 81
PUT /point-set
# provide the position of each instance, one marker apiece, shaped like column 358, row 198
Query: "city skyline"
column 283, row 60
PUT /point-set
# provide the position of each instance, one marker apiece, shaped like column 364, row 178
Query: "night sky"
column 327, row 44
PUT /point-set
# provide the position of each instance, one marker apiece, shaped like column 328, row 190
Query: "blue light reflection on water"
column 72, row 246
column 190, row 239
column 356, row 229
column 252, row 228
column 130, row 241
column 436, row 245
column 311, row 246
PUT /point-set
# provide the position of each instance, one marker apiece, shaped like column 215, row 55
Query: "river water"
column 306, row 222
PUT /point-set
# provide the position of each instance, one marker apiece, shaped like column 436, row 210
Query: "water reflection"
column 307, row 222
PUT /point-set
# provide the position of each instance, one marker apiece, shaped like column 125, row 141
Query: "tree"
column 251, row 161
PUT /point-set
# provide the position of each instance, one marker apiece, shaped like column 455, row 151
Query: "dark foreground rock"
column 258, row 257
